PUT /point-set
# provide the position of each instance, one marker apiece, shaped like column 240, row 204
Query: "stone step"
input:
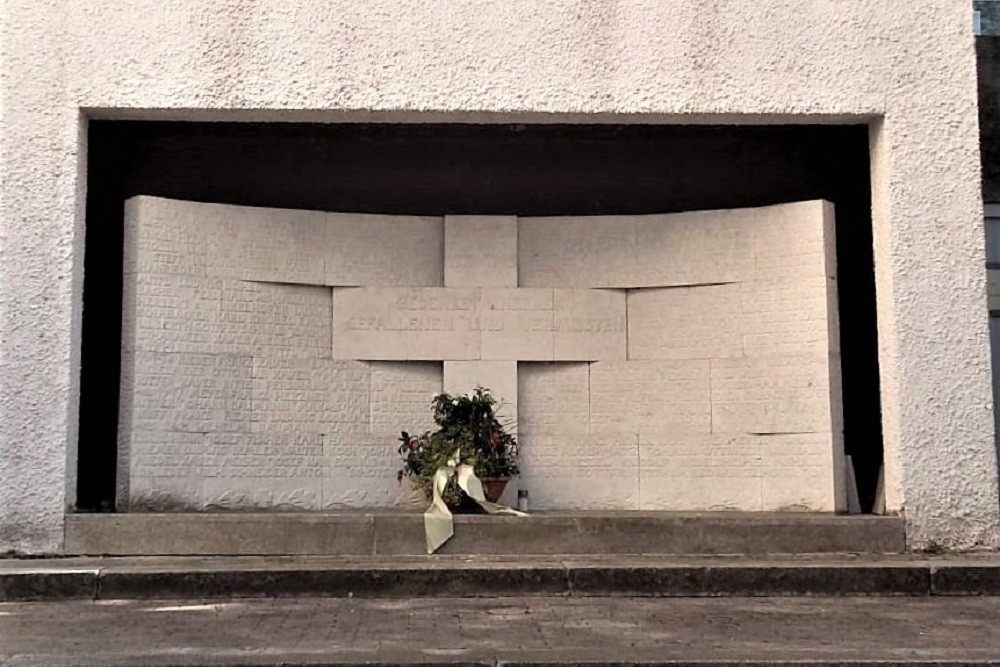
column 393, row 533
column 501, row 576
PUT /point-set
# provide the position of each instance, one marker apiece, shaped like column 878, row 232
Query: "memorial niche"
column 682, row 361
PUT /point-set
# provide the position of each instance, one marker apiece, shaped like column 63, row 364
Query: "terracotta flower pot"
column 493, row 488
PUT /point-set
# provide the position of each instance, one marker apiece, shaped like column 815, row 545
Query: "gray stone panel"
column 554, row 398
column 310, row 396
column 593, row 471
column 702, row 322
column 418, row 324
column 401, row 395
column 276, row 320
column 188, row 392
column 683, row 361
column 360, row 469
column 480, row 251
column 517, row 324
column 771, row 395
column 651, row 396
column 388, row 250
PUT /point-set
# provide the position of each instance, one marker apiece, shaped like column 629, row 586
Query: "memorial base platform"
column 395, row 533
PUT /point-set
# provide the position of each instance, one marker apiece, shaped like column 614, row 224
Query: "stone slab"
column 480, row 251
column 771, row 395
column 698, row 248
column 49, row 583
column 401, row 394
column 789, row 317
column 793, row 239
column 240, row 533
column 199, row 580
column 695, row 248
column 285, row 246
column 589, row 325
column 172, row 313
column 773, row 580
column 310, row 396
column 591, row 251
column 804, row 472
column 388, row 250
column 958, row 578
column 651, row 396
column 580, row 471
column 555, row 398
column 389, row 533
column 464, row 324
column 187, row 392
column 413, row 581
column 359, row 469
column 420, row 324
column 498, row 576
column 275, row 320
column 163, row 237
column 635, row 532
column 699, row 472
column 276, row 470
column 790, row 472
column 702, row 322
column 517, row 324
column 266, row 493
column 266, row 244
column 165, row 494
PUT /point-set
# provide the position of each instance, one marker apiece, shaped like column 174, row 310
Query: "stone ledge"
column 389, row 533
column 418, row 577
column 238, row 659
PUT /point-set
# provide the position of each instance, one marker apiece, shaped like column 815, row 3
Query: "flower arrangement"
column 468, row 423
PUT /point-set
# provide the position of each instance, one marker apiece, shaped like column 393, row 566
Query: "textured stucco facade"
column 907, row 69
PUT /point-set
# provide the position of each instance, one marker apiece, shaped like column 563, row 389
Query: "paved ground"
column 553, row 630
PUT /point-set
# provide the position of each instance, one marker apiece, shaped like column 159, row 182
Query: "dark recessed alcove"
column 436, row 169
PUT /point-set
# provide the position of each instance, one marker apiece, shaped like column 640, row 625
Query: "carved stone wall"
column 684, row 361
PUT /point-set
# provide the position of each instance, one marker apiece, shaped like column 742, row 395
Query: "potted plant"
column 469, row 424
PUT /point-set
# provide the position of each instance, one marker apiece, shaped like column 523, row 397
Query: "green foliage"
column 468, row 424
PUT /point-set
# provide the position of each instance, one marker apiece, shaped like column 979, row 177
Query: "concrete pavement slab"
column 508, row 631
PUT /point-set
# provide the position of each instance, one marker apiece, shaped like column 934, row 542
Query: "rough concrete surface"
column 491, row 631
column 499, row 576
column 906, row 68
column 402, row 533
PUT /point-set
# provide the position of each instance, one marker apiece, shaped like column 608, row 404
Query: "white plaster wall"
column 908, row 67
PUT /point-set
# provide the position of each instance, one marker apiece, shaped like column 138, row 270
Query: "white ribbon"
column 439, row 524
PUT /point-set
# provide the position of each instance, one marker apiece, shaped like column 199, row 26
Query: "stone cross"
column 480, row 324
